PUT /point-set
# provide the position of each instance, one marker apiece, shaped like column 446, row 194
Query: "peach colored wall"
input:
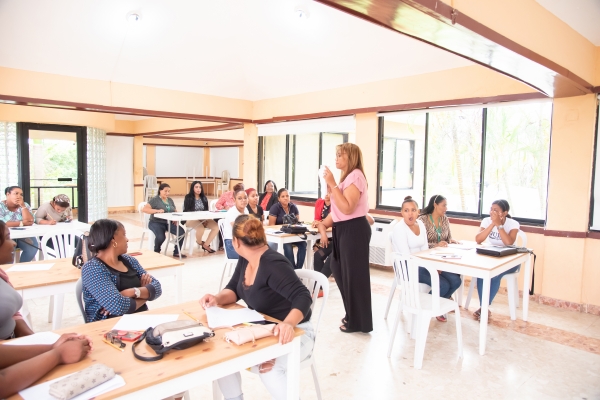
column 41, row 115
column 250, row 158
column 366, row 139
column 544, row 34
column 59, row 87
column 465, row 82
column 571, row 158
column 591, row 273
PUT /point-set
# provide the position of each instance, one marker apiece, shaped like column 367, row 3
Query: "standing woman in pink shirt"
column 351, row 235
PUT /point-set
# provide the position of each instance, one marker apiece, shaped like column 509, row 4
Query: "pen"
column 113, row 345
column 189, row 315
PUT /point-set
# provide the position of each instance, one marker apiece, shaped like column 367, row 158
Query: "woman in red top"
column 269, row 197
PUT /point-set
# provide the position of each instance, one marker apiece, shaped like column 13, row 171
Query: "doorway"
column 52, row 161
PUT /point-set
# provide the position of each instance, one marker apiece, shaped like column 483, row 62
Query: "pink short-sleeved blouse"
column 357, row 179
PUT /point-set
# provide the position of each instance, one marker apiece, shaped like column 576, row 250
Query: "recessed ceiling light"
column 134, row 17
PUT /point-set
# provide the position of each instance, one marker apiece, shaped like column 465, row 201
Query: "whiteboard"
column 119, row 171
column 178, row 162
column 225, row 158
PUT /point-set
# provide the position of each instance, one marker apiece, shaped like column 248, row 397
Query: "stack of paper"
column 222, row 318
column 30, row 267
column 141, row 322
column 36, row 338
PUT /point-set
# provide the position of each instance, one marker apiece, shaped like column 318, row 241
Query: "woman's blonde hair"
column 355, row 159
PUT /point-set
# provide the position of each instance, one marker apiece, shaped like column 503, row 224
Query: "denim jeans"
column 288, row 251
column 160, row 233
column 449, row 282
column 231, row 253
column 494, row 284
column 29, row 248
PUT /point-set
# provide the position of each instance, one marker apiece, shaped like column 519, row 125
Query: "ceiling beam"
column 442, row 26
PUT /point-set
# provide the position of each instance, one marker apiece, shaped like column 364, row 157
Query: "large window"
column 293, row 161
column 472, row 156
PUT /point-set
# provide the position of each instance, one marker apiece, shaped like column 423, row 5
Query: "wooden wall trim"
column 69, row 105
column 409, row 106
column 440, row 25
column 241, row 142
column 211, row 128
column 121, row 134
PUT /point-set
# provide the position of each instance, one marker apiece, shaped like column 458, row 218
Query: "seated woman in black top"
column 265, row 280
column 283, row 207
column 253, row 207
column 269, row 196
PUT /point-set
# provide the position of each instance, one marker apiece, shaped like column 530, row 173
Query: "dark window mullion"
column 482, row 163
column 380, row 132
column 425, row 157
column 287, row 160
column 320, row 163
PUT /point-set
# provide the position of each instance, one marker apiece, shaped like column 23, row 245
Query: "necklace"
column 438, row 229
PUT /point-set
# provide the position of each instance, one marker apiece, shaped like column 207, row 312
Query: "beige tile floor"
column 543, row 359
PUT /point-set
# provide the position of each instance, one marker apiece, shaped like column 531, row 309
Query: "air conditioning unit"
column 380, row 250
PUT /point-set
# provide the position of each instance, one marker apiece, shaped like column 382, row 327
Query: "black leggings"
column 322, row 260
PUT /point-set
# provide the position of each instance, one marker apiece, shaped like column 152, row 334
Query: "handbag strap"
column 143, row 358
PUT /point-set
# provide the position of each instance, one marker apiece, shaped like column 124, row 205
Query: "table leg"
column 526, row 282
column 217, row 395
column 179, row 280
column 280, row 246
column 310, row 254
column 293, row 371
column 58, row 309
column 483, row 325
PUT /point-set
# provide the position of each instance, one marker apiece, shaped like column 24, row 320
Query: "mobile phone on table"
column 18, row 228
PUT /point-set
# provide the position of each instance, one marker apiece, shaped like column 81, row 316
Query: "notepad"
column 222, row 318
column 141, row 322
column 30, row 267
column 42, row 391
column 36, row 338
column 461, row 246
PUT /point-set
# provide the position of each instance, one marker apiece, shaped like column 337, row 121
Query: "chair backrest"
column 145, row 218
column 79, row 296
column 315, row 281
column 266, row 217
column 212, row 205
column 222, row 228
column 150, row 181
column 63, row 244
column 225, row 178
column 523, row 238
column 407, row 277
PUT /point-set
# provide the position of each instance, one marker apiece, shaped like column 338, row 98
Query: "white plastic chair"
column 79, row 296
column 150, row 187
column 223, row 186
column 423, row 306
column 512, row 284
column 63, row 246
column 212, row 205
column 231, row 262
column 314, row 281
column 423, row 287
column 145, row 218
column 266, row 217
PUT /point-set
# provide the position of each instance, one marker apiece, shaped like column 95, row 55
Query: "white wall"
column 225, row 158
column 119, row 171
column 178, row 162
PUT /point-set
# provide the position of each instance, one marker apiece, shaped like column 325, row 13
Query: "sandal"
column 345, row 329
column 477, row 315
column 344, row 321
column 441, row 318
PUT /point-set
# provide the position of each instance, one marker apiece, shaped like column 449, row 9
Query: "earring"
column 115, row 244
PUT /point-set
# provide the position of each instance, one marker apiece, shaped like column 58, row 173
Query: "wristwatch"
column 20, row 223
column 500, row 227
column 137, row 292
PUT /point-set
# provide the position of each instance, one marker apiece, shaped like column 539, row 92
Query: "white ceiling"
column 581, row 15
column 247, row 49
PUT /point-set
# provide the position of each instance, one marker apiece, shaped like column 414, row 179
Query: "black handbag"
column 82, row 252
column 176, row 335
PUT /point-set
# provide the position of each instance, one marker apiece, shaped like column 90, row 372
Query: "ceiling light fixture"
column 302, row 13
column 134, row 17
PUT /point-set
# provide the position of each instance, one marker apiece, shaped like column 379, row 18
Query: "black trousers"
column 322, row 260
column 160, row 233
column 350, row 267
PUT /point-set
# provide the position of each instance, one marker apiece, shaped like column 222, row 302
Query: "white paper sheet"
column 221, row 318
column 36, row 338
column 461, row 246
column 30, row 267
column 141, row 322
column 42, row 391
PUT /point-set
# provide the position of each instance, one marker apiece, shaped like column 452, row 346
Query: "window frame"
column 594, row 169
column 289, row 139
column 457, row 214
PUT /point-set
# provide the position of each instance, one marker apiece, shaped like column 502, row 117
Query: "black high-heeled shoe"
column 210, row 251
